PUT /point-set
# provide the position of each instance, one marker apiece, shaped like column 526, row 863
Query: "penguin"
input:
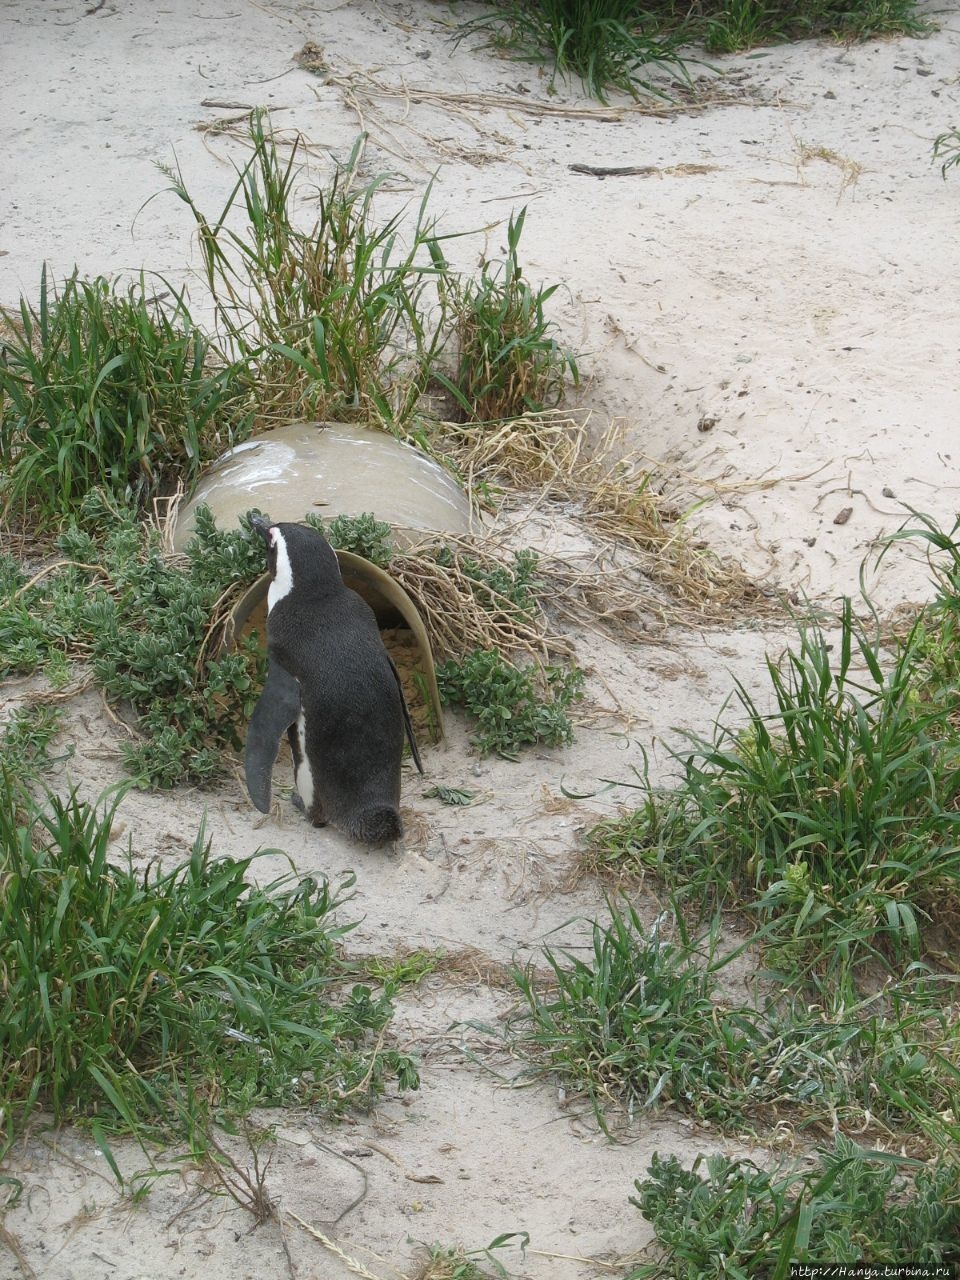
column 333, row 688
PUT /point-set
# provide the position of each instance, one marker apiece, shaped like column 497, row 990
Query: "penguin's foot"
column 318, row 820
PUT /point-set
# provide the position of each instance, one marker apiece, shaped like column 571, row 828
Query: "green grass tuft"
column 103, row 388
column 640, row 1022
column 336, row 321
column 729, row 25
column 946, row 149
column 509, row 363
column 832, row 820
column 616, row 44
column 164, row 998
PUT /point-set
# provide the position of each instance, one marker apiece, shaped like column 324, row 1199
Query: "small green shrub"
column 27, row 737
column 450, row 1262
column 729, row 1218
column 508, row 362
column 58, row 615
column 455, row 796
column 145, row 626
column 191, row 703
column 501, row 589
column 453, row 1262
column 364, row 535
column 403, row 970
column 513, row 706
column 103, row 388
column 163, row 998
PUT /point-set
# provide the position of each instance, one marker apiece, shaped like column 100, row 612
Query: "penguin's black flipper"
column 277, row 710
column 406, row 718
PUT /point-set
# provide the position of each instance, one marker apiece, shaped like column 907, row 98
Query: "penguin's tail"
column 376, row 825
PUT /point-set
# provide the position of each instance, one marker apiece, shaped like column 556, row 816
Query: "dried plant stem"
column 52, row 568
column 351, row 1264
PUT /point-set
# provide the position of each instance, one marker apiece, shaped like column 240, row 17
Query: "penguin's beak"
column 261, row 525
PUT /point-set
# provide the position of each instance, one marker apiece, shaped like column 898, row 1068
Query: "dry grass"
column 457, row 620
column 387, row 112
column 549, row 461
column 850, row 170
column 471, row 967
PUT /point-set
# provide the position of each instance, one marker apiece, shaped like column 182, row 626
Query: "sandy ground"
column 770, row 310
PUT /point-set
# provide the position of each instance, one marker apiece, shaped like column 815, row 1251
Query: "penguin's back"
column 353, row 724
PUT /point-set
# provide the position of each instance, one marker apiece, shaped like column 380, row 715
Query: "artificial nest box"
column 334, row 469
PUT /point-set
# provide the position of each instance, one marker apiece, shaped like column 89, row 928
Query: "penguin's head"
column 297, row 553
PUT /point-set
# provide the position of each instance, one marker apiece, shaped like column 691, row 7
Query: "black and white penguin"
column 333, row 688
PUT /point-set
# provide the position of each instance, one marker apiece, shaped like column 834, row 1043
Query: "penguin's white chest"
column 282, row 583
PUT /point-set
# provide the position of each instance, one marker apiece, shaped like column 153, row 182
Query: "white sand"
column 795, row 295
